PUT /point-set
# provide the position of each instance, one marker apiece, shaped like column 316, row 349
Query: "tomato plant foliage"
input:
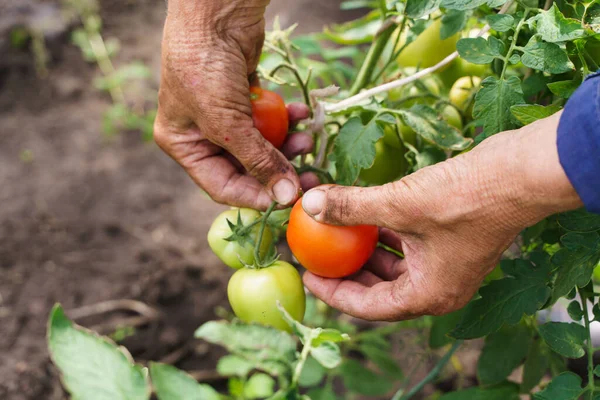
column 516, row 62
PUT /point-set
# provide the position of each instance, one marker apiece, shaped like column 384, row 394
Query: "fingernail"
column 284, row 191
column 313, row 202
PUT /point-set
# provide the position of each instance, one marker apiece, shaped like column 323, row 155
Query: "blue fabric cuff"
column 579, row 142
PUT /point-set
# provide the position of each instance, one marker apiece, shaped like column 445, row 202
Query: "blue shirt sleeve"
column 579, row 142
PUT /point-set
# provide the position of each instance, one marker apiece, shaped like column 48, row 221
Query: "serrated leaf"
column 506, row 300
column 329, row 335
column 501, row 22
column 566, row 386
column 259, row 386
column 597, row 370
column 575, row 262
column 554, row 27
column 514, row 58
column 429, row 155
column 88, row 362
column 419, row 8
column 504, row 392
column 268, row 349
column 564, row 89
column 574, row 310
column 362, row 380
column 231, row 365
column 300, row 330
column 428, row 124
column 312, row 374
column 503, row 352
column 171, row 383
column 327, row 354
column 579, row 221
column 567, row 339
column 354, row 149
column 493, row 103
column 528, row 113
column 475, row 50
column 452, row 22
column 536, row 365
column 546, row 57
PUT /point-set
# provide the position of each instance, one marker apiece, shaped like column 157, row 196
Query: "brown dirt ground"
column 89, row 219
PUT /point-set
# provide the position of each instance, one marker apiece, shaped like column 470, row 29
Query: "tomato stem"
column 263, row 220
column 302, row 359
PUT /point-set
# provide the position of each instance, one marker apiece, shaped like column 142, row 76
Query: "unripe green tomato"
column 231, row 252
column 459, row 68
column 388, row 165
column 430, row 83
column 427, row 49
column 253, row 294
column 453, row 117
column 461, row 91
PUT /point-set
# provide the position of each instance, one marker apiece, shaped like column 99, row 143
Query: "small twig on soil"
column 206, row 375
column 114, row 305
column 177, row 354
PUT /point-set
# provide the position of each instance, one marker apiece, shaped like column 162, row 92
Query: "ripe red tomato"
column 269, row 115
column 327, row 250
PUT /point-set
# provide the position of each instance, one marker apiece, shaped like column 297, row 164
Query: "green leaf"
column 268, row 349
column 327, row 354
column 426, row 122
column 575, row 311
column 429, row 155
column 171, row 383
column 329, row 335
column 354, row 149
column 419, row 8
column 564, row 89
column 493, row 101
column 501, row 22
column 546, row 57
column 579, row 221
column 536, row 365
column 441, row 326
column 567, row 339
column 382, row 358
column 259, row 386
column 528, row 113
column 506, row 300
column 566, row 386
column 503, row 352
column 462, row 4
column 92, row 367
column 554, row 27
column 312, row 374
column 504, row 392
column 231, row 365
column 362, row 380
column 597, row 370
column 452, row 22
column 476, row 50
column 575, row 261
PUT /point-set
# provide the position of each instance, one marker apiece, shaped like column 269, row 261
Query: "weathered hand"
column 210, row 51
column 452, row 221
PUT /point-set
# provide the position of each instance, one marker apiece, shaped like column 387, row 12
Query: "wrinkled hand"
column 452, row 221
column 210, row 50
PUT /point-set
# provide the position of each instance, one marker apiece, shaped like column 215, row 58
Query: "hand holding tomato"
column 452, row 221
column 204, row 119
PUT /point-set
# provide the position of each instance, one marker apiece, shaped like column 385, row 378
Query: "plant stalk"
column 366, row 70
column 591, row 386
